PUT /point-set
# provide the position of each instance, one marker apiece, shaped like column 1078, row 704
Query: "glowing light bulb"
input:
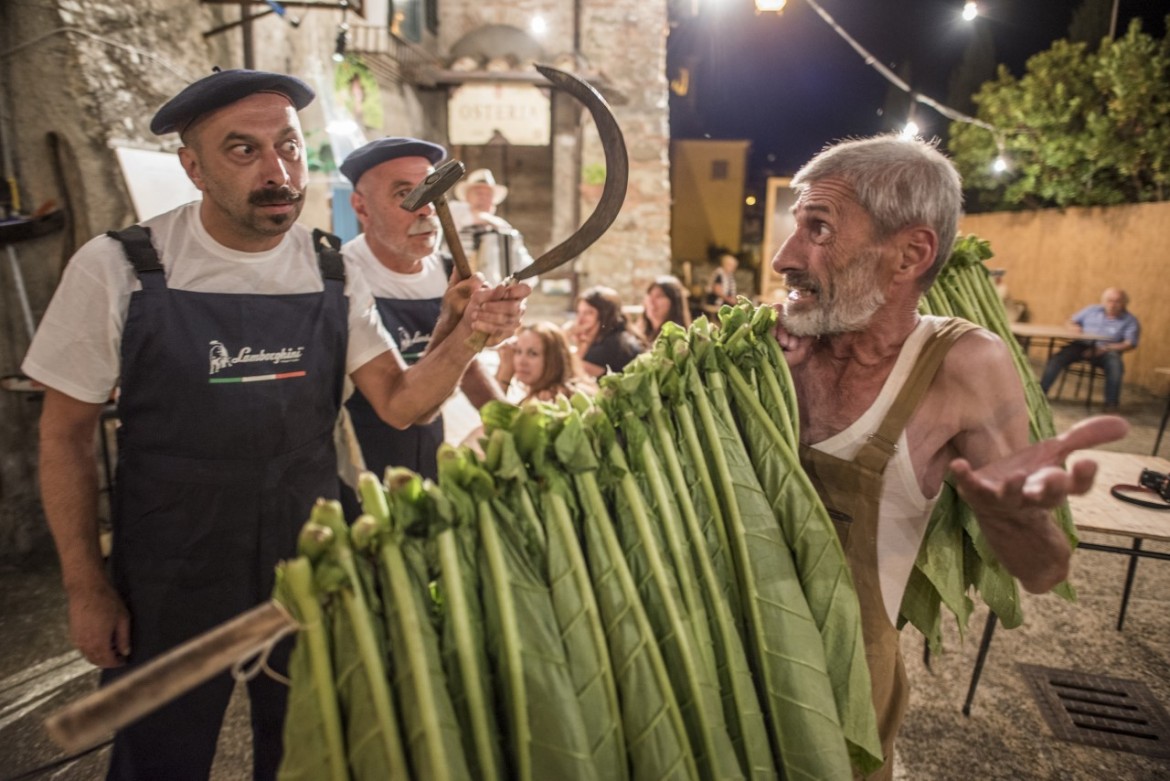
column 970, row 11
column 773, row 6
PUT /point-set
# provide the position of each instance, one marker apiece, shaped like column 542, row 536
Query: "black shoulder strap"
column 448, row 263
column 139, row 249
column 329, row 257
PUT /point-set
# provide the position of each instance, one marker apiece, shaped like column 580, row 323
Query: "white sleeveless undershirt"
column 904, row 509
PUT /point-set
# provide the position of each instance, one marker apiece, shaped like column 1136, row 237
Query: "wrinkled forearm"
column 443, row 328
column 403, row 397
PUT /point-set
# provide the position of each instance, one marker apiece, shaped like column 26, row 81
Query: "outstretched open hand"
column 1035, row 477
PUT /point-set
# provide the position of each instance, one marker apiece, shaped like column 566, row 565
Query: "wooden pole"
column 246, row 29
column 91, row 719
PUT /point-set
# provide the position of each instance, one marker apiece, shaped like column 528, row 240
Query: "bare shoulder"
column 977, row 354
column 983, row 386
column 978, row 377
column 975, row 396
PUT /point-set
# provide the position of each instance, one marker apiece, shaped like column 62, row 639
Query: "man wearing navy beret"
column 228, row 337
column 398, row 254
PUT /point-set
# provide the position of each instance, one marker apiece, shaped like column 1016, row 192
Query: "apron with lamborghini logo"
column 227, row 405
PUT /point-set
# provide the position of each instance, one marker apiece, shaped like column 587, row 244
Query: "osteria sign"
column 519, row 112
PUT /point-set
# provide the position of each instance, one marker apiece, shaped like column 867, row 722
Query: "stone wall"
column 83, row 71
column 92, row 74
column 627, row 43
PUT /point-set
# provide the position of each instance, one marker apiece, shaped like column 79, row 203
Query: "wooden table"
column 1026, row 332
column 1100, row 512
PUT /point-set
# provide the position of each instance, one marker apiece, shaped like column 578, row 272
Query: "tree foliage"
column 1080, row 128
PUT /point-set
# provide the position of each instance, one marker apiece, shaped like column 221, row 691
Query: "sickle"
column 617, row 173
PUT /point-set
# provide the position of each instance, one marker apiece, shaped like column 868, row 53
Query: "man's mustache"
column 429, row 224
column 278, row 195
column 797, row 279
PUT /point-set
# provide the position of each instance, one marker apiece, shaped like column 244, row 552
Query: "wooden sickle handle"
column 89, row 720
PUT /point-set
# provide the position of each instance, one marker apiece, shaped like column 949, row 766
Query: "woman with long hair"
column 665, row 301
column 538, row 358
column 604, row 338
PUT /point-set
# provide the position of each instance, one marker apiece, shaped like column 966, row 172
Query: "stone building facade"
column 625, row 44
column 80, row 78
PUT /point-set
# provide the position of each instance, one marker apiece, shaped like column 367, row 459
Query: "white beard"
column 849, row 302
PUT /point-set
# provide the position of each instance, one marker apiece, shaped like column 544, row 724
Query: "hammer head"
column 434, row 186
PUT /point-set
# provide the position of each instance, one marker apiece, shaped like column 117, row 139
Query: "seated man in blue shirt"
column 1111, row 319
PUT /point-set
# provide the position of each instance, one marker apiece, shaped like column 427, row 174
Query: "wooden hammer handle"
column 451, row 233
column 87, row 721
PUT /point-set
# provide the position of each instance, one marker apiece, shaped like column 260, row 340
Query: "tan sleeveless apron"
column 851, row 491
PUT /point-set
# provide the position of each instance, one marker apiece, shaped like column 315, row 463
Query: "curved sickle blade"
column 617, row 174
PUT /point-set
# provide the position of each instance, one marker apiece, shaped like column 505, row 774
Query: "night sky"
column 791, row 84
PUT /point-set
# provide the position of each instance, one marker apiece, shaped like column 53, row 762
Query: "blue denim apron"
column 227, row 405
column 411, row 323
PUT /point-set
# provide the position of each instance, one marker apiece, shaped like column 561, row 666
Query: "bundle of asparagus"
column 639, row 585
column 954, row 559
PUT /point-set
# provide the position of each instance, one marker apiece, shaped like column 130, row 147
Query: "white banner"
column 518, row 112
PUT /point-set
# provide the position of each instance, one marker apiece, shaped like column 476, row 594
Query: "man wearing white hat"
column 497, row 247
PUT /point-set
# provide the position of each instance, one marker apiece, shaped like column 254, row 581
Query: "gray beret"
column 374, row 153
column 222, row 88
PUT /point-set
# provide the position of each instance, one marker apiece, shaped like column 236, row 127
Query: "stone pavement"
column 1005, row 737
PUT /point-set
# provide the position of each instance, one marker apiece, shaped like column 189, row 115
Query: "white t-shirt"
column 430, row 282
column 77, row 346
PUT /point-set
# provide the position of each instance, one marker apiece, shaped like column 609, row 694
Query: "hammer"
column 434, row 189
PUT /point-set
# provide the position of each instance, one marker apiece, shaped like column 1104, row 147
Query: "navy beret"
column 374, row 153
column 223, row 88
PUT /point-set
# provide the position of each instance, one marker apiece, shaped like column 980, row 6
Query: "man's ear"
column 918, row 246
column 358, row 202
column 190, row 162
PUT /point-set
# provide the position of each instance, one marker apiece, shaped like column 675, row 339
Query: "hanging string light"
column 1001, row 163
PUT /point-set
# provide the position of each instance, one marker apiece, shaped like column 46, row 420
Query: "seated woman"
column 603, row 337
column 666, row 300
column 538, row 364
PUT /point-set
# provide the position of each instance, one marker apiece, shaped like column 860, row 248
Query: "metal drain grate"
column 1100, row 711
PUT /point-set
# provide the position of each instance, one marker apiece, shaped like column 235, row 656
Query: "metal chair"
column 1081, row 369
column 1165, row 415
